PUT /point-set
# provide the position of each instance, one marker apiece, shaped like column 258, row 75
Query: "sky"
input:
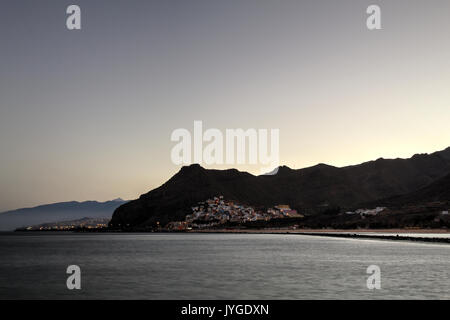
column 88, row 114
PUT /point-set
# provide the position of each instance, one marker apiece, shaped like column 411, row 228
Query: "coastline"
column 296, row 231
column 416, row 235
column 368, row 234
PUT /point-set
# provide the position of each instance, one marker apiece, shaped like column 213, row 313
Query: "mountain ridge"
column 47, row 213
column 308, row 189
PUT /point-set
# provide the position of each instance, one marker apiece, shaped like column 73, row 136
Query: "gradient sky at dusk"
column 88, row 114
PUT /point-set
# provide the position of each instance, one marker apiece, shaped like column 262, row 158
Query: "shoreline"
column 337, row 231
column 256, row 231
column 368, row 234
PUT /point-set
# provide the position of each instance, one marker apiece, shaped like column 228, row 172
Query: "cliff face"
column 304, row 189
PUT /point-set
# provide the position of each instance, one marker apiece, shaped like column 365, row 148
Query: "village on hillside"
column 218, row 211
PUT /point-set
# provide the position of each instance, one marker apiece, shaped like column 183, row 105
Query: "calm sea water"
column 218, row 266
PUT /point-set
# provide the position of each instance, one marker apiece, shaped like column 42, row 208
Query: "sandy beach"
column 414, row 235
column 342, row 231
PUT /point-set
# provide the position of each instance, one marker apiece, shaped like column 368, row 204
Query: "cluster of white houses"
column 367, row 212
column 218, row 211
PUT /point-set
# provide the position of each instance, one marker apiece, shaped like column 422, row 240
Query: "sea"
column 219, row 266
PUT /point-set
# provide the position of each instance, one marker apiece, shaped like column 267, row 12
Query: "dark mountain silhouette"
column 437, row 191
column 309, row 190
column 73, row 210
